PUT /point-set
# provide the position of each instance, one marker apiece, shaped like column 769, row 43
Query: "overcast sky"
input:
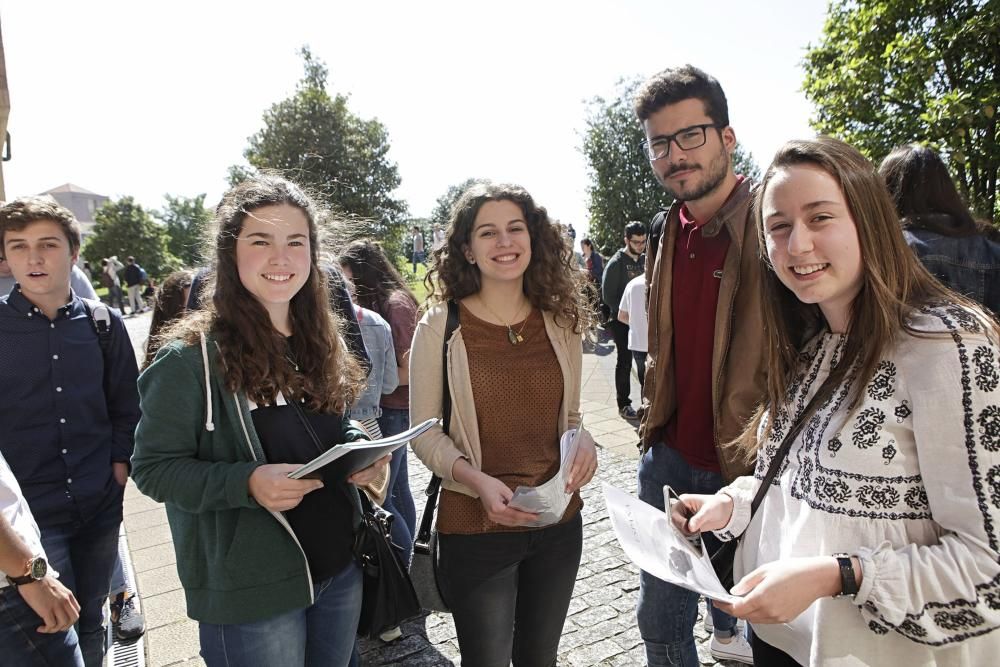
column 143, row 99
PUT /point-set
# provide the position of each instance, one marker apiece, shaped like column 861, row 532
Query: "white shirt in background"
column 634, row 303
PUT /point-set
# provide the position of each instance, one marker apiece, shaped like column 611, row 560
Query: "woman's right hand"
column 708, row 512
column 274, row 490
column 494, row 495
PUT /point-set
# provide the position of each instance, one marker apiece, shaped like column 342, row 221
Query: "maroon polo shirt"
column 697, row 273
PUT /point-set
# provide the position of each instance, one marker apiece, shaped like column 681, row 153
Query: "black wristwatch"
column 35, row 567
column 848, row 584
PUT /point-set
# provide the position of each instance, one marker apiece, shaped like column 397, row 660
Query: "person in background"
column 379, row 288
column 593, row 268
column 515, row 365
column 134, row 277
column 438, row 236
column 229, row 406
column 623, row 266
column 110, row 266
column 417, row 241
column 957, row 250
column 877, row 542
column 170, row 304
column 632, row 311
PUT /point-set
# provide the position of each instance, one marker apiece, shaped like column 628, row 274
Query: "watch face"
column 39, row 568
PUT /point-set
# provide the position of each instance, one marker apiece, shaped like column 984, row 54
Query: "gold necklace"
column 514, row 337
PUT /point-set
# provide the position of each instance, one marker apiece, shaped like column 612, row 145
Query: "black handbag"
column 388, row 597
column 424, row 566
column 723, row 557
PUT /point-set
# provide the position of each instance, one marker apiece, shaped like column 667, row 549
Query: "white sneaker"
column 737, row 649
column 390, row 635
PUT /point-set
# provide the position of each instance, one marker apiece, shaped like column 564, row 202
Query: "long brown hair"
column 257, row 358
column 375, row 278
column 894, row 282
column 171, row 303
column 551, row 282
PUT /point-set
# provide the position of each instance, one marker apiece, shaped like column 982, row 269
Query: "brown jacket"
column 738, row 364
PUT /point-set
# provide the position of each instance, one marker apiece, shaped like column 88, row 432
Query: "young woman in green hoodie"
column 265, row 561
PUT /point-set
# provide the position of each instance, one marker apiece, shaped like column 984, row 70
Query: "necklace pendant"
column 513, row 337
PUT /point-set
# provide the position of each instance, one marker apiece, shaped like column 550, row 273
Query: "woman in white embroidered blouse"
column 878, row 542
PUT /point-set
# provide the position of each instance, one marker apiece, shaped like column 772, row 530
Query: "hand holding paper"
column 550, row 499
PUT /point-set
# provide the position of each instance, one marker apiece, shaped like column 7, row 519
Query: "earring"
column 472, row 260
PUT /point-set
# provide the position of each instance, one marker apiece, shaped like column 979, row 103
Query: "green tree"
column 622, row 186
column 890, row 72
column 442, row 208
column 125, row 228
column 745, row 164
column 314, row 139
column 186, row 220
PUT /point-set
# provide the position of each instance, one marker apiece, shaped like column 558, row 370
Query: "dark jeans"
column 667, row 613
column 398, row 497
column 509, row 592
column 623, row 363
column 640, row 367
column 765, row 654
column 22, row 644
column 84, row 554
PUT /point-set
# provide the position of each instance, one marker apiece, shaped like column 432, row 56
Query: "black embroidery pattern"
column 902, row 411
column 964, row 619
column 916, row 498
column 964, row 319
column 989, row 427
column 911, row 628
column 877, row 628
column 883, row 384
column 987, row 376
column 889, row 452
column 834, row 445
column 872, row 496
column 993, row 482
column 831, row 490
column 867, row 427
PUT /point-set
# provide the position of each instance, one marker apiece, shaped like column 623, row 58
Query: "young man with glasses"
column 705, row 372
column 623, row 266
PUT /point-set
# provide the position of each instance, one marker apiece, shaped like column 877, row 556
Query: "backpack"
column 100, row 319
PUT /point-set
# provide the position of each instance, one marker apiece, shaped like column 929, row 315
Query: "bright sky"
column 138, row 98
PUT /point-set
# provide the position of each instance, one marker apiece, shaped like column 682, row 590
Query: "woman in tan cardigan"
column 514, row 368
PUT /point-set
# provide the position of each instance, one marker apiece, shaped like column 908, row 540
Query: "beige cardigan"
column 439, row 451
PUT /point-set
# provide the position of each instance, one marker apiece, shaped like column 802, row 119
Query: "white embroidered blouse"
column 908, row 481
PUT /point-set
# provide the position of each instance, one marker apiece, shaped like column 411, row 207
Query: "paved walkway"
column 600, row 628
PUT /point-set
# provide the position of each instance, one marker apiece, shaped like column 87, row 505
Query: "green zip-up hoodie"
column 195, row 448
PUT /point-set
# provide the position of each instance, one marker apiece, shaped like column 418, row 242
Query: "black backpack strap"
column 100, row 319
column 655, row 232
column 434, row 487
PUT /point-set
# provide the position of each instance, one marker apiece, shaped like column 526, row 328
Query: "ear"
column 74, row 256
column 729, row 139
column 468, row 254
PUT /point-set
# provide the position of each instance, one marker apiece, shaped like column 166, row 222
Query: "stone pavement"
column 600, row 629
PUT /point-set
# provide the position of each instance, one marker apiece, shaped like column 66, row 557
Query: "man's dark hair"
column 20, row 213
column 635, row 228
column 130, row 259
column 676, row 84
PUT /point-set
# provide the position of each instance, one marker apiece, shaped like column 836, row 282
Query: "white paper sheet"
column 550, row 499
column 653, row 543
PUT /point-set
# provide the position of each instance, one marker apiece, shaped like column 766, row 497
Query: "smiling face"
column 499, row 244
column 696, row 173
column 812, row 240
column 40, row 258
column 273, row 257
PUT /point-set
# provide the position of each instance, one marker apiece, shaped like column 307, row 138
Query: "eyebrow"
column 271, row 236
column 493, row 224
column 810, row 206
column 15, row 239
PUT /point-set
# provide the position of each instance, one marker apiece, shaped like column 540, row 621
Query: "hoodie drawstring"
column 209, row 425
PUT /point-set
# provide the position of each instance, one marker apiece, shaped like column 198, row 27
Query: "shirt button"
column 69, row 481
column 29, row 314
column 62, row 420
column 64, row 451
column 692, row 255
column 55, row 356
column 58, row 388
column 52, row 325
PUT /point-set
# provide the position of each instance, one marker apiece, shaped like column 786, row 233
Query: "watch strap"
column 848, row 582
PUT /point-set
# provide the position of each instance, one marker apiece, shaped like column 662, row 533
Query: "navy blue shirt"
column 59, row 432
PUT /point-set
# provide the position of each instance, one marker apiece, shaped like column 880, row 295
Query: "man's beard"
column 712, row 178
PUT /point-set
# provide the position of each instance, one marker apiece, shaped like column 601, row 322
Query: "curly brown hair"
column 551, row 281
column 257, row 358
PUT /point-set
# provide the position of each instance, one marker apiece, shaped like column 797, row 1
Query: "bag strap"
column 434, row 487
column 100, row 321
column 824, row 392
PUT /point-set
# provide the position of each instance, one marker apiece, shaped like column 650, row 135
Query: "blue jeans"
column 84, row 555
column 667, row 613
column 321, row 634
column 22, row 644
column 398, row 497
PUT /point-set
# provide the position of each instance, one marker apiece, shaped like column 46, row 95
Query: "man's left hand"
column 120, row 470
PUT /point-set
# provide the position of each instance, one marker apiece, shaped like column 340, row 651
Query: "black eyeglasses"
column 686, row 139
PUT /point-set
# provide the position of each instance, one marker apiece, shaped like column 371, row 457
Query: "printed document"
column 657, row 546
column 550, row 499
column 347, row 458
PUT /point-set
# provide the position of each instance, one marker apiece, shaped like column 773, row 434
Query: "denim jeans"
column 667, row 613
column 22, row 644
column 398, row 497
column 509, row 592
column 623, row 364
column 84, row 554
column 321, row 634
column 640, row 367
